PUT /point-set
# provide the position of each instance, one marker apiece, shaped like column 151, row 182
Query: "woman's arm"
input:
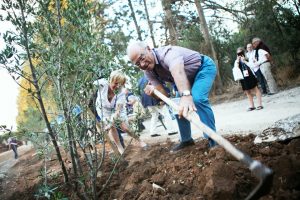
column 118, row 109
column 120, row 104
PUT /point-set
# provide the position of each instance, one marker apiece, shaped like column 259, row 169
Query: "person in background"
column 249, row 81
column 263, row 60
column 193, row 74
column 260, row 77
column 156, row 108
column 13, row 144
column 130, row 100
column 110, row 107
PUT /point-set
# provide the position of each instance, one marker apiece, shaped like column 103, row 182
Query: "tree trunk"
column 218, row 86
column 138, row 30
column 150, row 24
column 166, row 4
column 297, row 6
column 38, row 93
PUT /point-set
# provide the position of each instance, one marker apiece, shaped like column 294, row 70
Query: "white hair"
column 256, row 39
column 240, row 49
column 134, row 46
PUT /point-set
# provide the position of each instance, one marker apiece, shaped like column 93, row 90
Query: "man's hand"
column 149, row 89
column 186, row 105
column 161, row 103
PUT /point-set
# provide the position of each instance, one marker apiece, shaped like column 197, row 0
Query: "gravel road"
column 233, row 118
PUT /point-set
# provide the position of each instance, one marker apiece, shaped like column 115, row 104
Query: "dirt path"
column 7, row 159
column 232, row 117
column 18, row 175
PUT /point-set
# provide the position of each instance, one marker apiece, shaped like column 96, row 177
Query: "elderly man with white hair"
column 193, row 74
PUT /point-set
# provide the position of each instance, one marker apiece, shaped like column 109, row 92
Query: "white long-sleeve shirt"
column 253, row 63
column 106, row 109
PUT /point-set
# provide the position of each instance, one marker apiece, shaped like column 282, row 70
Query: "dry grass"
column 286, row 76
column 232, row 91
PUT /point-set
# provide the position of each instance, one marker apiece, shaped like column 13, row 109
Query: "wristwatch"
column 185, row 93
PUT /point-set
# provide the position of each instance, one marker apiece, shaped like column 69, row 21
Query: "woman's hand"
column 116, row 115
column 107, row 127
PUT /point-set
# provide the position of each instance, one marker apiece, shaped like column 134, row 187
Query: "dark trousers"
column 262, row 81
column 14, row 148
column 120, row 136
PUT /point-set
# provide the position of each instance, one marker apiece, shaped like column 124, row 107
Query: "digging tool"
column 260, row 171
column 161, row 119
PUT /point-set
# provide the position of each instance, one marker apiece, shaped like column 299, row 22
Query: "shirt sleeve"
column 236, row 64
column 262, row 56
column 101, row 82
column 173, row 58
column 251, row 64
column 121, row 102
column 100, row 96
column 121, row 99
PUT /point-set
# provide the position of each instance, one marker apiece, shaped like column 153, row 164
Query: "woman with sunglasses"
column 249, row 81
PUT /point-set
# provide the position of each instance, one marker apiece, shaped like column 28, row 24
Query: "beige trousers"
column 265, row 69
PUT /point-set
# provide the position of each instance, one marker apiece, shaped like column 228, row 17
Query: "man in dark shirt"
column 13, row 144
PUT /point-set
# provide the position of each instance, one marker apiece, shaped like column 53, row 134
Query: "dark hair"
column 263, row 46
column 241, row 54
column 240, row 51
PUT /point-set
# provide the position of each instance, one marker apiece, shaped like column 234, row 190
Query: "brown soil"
column 194, row 173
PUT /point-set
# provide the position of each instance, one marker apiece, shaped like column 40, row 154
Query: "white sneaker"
column 144, row 145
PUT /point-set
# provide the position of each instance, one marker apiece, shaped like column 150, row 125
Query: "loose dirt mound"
column 194, row 173
column 20, row 181
column 199, row 173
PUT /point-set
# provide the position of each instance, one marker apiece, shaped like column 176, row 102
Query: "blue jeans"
column 200, row 91
column 15, row 149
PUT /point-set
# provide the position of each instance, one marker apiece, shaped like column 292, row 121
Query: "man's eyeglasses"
column 140, row 59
